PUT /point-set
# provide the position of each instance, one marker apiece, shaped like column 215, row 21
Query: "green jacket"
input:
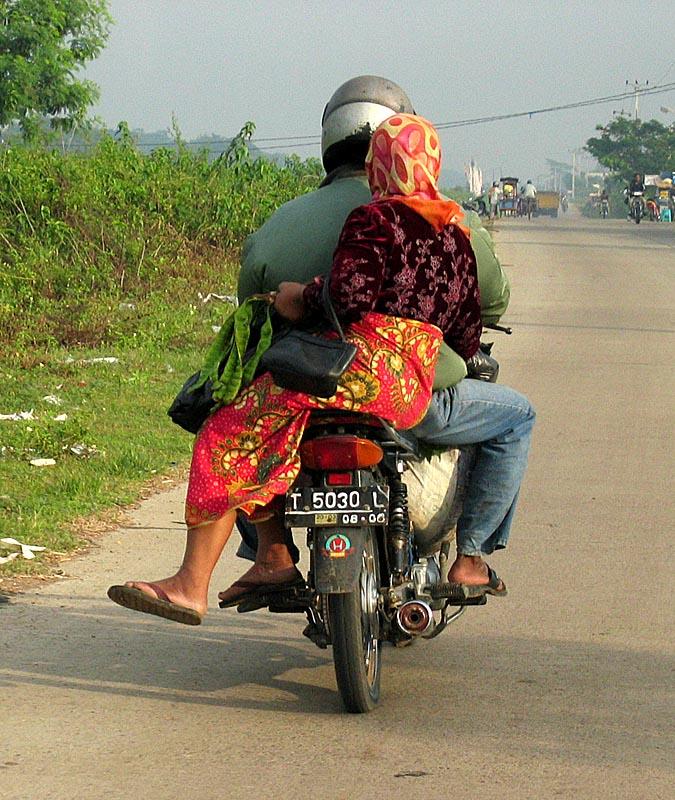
column 297, row 243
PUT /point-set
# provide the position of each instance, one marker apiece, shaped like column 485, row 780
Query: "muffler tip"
column 415, row 617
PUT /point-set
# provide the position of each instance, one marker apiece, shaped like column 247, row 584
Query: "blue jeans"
column 499, row 421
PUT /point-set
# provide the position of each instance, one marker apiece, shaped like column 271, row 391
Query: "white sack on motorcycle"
column 436, row 490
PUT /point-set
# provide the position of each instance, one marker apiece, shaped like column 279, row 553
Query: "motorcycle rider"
column 297, row 241
column 636, row 187
column 296, row 244
column 529, row 195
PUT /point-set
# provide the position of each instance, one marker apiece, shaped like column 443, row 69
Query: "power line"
column 657, row 89
column 666, row 87
column 313, row 140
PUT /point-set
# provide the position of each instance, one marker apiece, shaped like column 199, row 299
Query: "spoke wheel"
column 355, row 632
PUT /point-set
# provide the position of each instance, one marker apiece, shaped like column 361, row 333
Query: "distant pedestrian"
column 494, row 196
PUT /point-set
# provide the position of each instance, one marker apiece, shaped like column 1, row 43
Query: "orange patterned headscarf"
column 404, row 161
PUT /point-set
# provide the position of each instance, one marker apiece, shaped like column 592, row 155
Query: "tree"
column 43, row 43
column 627, row 146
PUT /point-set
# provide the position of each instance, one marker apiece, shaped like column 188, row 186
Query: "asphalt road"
column 564, row 689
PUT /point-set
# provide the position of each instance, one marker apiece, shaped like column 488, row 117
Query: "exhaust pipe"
column 415, row 617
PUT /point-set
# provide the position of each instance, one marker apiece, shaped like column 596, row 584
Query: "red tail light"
column 340, row 453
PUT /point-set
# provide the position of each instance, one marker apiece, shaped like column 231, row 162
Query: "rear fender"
column 338, row 555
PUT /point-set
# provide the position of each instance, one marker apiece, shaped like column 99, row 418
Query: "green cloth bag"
column 230, row 363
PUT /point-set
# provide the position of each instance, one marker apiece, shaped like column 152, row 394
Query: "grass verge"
column 104, row 425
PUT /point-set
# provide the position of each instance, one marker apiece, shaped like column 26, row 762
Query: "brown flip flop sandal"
column 255, row 589
column 160, row 606
column 464, row 594
column 495, row 586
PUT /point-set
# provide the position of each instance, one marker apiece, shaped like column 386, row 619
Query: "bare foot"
column 175, row 590
column 260, row 576
column 469, row 571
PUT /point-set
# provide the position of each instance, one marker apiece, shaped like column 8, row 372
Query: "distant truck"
column 548, row 203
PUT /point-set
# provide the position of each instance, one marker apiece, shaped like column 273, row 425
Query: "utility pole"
column 637, row 88
column 574, row 169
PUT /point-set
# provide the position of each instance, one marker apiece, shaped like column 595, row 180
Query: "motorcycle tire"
column 355, row 633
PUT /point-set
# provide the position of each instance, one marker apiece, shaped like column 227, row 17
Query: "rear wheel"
column 355, row 631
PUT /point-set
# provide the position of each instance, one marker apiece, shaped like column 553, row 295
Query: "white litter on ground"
column 101, row 360
column 84, row 450
column 27, row 550
column 18, row 415
column 225, row 298
column 42, row 462
column 53, row 399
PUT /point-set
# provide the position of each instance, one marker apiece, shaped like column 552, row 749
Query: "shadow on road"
column 596, row 702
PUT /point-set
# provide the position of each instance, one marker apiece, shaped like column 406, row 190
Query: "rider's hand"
column 288, row 301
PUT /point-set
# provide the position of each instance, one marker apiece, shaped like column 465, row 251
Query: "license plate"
column 346, row 505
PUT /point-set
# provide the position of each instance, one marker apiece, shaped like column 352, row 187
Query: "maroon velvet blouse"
column 390, row 260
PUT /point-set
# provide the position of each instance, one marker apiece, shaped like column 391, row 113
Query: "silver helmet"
column 352, row 114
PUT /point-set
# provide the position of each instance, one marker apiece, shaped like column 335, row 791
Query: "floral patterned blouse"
column 389, row 259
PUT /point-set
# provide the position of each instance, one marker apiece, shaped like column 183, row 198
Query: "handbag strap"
column 328, row 307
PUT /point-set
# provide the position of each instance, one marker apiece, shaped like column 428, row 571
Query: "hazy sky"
column 218, row 63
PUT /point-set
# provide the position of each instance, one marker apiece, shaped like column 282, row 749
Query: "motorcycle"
column 637, row 206
column 379, row 519
column 478, row 205
column 653, row 211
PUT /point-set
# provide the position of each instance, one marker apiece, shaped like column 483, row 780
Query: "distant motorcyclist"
column 529, row 197
column 636, row 185
column 529, row 190
column 634, row 194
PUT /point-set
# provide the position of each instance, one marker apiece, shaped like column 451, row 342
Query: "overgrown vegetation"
column 111, row 255
column 84, row 240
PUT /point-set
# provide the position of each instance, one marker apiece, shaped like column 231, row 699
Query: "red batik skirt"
column 246, row 453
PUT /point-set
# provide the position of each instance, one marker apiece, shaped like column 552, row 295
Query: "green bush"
column 85, row 239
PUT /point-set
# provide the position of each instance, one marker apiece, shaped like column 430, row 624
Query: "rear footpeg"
column 293, row 600
column 455, row 594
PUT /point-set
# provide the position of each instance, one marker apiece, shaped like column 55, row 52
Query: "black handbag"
column 308, row 362
column 191, row 406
